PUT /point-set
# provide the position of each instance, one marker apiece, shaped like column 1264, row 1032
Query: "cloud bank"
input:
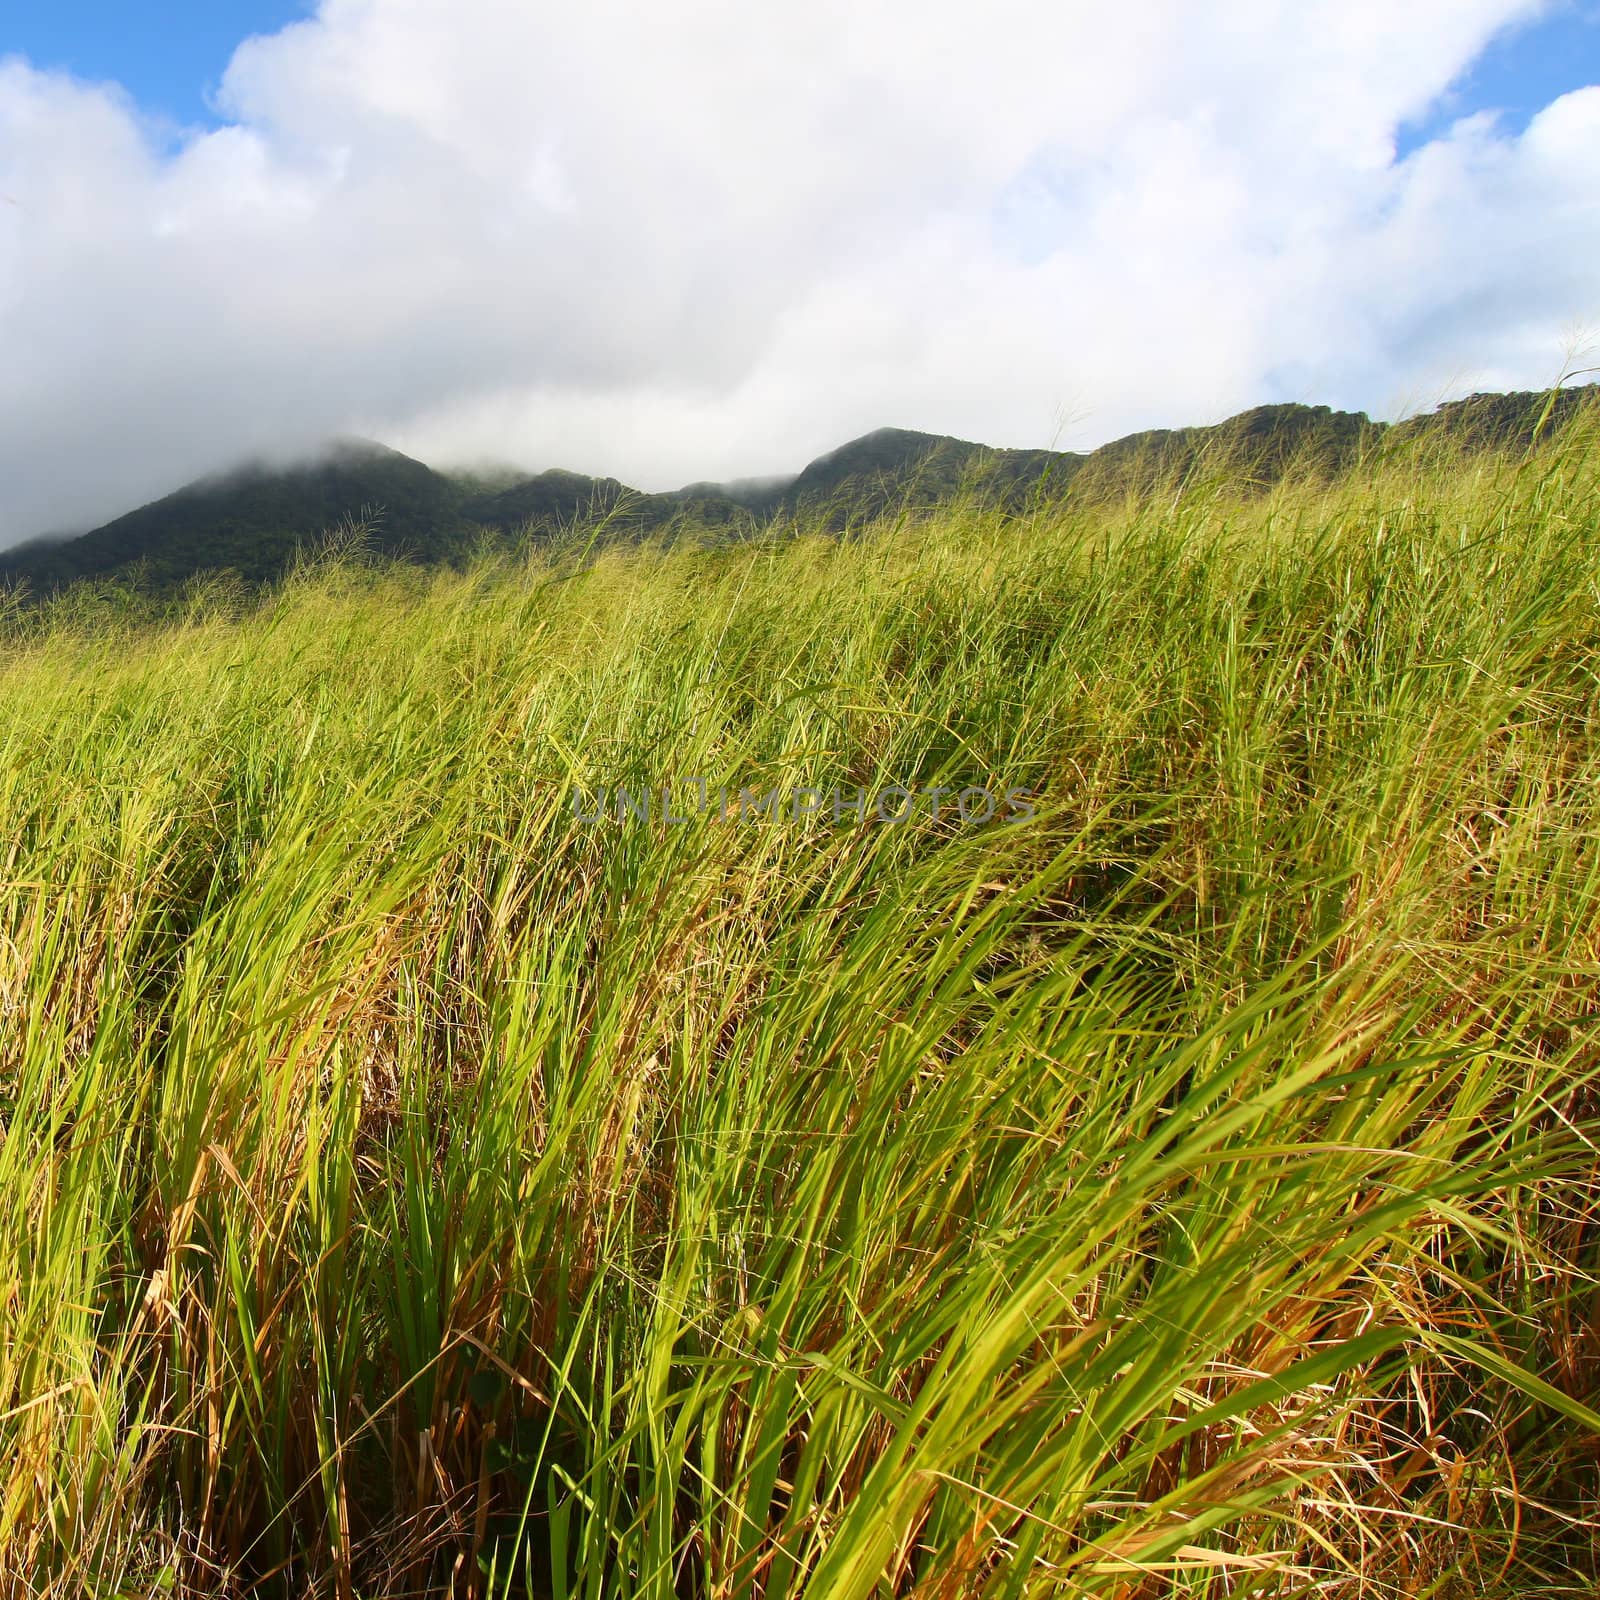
column 713, row 239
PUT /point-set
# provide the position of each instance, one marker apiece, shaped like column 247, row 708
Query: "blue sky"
column 1521, row 72
column 169, row 54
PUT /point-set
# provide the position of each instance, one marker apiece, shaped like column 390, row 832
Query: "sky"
column 713, row 239
column 169, row 55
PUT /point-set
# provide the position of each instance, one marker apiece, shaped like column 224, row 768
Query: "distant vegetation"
column 255, row 522
column 408, row 1187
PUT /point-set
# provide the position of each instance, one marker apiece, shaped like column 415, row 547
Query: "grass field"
column 408, row 1186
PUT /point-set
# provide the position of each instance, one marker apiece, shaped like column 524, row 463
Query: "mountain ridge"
column 254, row 517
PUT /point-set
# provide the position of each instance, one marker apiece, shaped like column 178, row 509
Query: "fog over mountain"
column 255, row 520
column 711, row 241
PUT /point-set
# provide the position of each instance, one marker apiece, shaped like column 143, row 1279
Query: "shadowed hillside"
column 1255, row 448
column 253, row 520
column 552, row 499
column 885, row 469
column 1496, row 421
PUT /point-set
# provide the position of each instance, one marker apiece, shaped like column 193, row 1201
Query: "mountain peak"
column 253, row 518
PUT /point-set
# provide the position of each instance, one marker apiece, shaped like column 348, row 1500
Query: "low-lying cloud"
column 707, row 239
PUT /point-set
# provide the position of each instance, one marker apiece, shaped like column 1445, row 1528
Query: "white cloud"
column 710, row 239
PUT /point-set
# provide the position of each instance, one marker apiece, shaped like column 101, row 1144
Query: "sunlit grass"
column 406, row 1185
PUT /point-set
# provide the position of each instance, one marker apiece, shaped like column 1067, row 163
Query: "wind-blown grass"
column 406, row 1185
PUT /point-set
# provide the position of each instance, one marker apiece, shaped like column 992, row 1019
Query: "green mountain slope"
column 1497, row 421
column 892, row 466
column 558, row 499
column 253, row 520
column 1257, row 446
column 548, row 499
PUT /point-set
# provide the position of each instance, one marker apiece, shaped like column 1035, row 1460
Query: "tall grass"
column 409, row 1187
